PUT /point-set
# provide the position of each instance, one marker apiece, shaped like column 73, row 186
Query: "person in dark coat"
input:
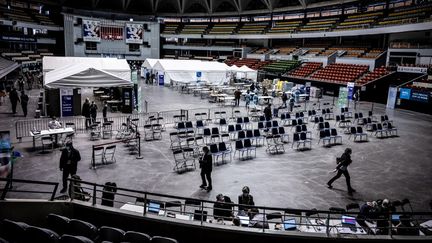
column 206, row 164
column 93, row 112
column 24, row 102
column 237, row 95
column 14, row 99
column 268, row 112
column 68, row 163
column 86, row 112
column 342, row 169
column 222, row 208
column 284, row 100
column 245, row 200
column 104, row 111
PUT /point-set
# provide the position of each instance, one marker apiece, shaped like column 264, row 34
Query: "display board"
column 5, row 153
column 420, row 96
column 391, row 98
column 91, row 30
column 134, row 33
column 66, row 98
column 343, row 94
column 405, row 93
column 350, row 86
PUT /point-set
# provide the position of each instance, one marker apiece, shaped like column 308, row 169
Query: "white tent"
column 75, row 72
column 117, row 67
column 246, row 72
column 82, row 75
column 186, row 71
column 149, row 63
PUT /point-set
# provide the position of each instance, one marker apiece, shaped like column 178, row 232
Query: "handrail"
column 7, row 188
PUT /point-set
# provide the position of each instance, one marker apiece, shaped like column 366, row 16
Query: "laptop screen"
column 153, row 207
column 395, row 217
column 290, row 224
column 244, row 220
column 348, row 220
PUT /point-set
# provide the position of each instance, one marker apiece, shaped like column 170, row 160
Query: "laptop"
column 153, row 207
column 348, row 220
column 198, row 214
column 244, row 220
column 290, row 224
column 395, row 217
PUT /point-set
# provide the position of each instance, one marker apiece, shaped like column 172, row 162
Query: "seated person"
column 245, row 199
column 367, row 212
column 54, row 123
column 222, row 209
column 405, row 227
column 76, row 191
column 257, row 220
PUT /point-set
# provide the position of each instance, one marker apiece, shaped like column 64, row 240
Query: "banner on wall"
column 411, row 69
column 91, row 30
column 134, row 33
column 405, row 93
column 391, row 98
column 66, row 102
column 343, row 94
column 350, row 86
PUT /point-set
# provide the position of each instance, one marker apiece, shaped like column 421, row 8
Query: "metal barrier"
column 7, row 188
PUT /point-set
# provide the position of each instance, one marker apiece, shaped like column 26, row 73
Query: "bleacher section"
column 405, row 16
column 24, row 15
column 284, row 50
column 284, row 26
column 340, row 73
column 253, row 28
column 196, row 29
column 319, row 25
column 377, row 73
column 359, row 21
column 7, row 66
column 306, row 69
column 281, row 66
column 223, row 29
column 374, row 53
column 170, row 29
column 249, row 62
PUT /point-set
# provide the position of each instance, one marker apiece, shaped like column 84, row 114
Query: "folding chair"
column 98, row 152
column 109, row 154
column 240, row 149
column 248, row 145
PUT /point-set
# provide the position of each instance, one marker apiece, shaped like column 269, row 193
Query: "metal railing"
column 8, row 188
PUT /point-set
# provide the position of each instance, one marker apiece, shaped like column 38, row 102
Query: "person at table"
column 257, row 220
column 206, row 164
column 268, row 112
column 93, row 112
column 54, row 123
column 14, row 99
column 284, row 100
column 245, row 200
column 222, row 208
column 104, row 111
column 69, row 163
column 237, row 95
column 24, row 102
column 86, row 112
column 367, row 212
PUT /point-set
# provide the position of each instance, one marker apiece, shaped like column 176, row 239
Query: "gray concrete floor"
column 394, row 168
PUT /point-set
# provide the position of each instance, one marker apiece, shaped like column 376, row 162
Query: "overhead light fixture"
column 131, row 19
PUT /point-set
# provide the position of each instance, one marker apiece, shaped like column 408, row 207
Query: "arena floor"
column 394, row 168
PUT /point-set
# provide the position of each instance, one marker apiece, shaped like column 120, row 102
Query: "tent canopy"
column 83, row 72
column 149, row 63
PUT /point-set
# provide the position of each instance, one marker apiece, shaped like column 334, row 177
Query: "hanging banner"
column 91, row 30
column 350, row 86
column 134, row 76
column 161, row 79
column 134, row 33
column 343, row 94
column 391, row 98
column 66, row 96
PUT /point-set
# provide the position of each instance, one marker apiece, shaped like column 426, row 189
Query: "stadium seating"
column 223, row 29
column 253, row 28
column 170, row 29
column 340, row 73
column 284, row 26
column 196, row 29
column 250, row 62
column 306, row 69
column 284, row 50
column 281, row 66
column 377, row 73
column 319, row 24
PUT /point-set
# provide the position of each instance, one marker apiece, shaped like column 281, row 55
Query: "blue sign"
column 420, row 96
column 198, row 74
column 67, row 106
column 405, row 93
column 161, row 79
column 350, row 90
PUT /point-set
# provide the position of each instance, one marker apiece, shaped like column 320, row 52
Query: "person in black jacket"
column 268, row 112
column 93, row 112
column 342, row 169
column 14, row 99
column 206, row 164
column 104, row 111
column 86, row 112
column 24, row 102
column 222, row 208
column 68, row 163
column 245, row 200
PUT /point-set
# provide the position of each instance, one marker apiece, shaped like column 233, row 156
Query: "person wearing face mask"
column 245, row 200
column 68, row 163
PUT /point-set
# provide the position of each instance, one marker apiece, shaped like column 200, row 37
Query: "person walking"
column 247, row 99
column 14, row 99
column 24, row 102
column 68, row 163
column 291, row 104
column 21, row 83
column 342, row 169
column 206, row 165
column 237, row 95
column 268, row 112
column 284, row 100
column 86, row 112
column 93, row 112
column 104, row 111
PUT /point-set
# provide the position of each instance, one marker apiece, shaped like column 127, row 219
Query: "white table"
column 133, row 208
column 50, row 132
